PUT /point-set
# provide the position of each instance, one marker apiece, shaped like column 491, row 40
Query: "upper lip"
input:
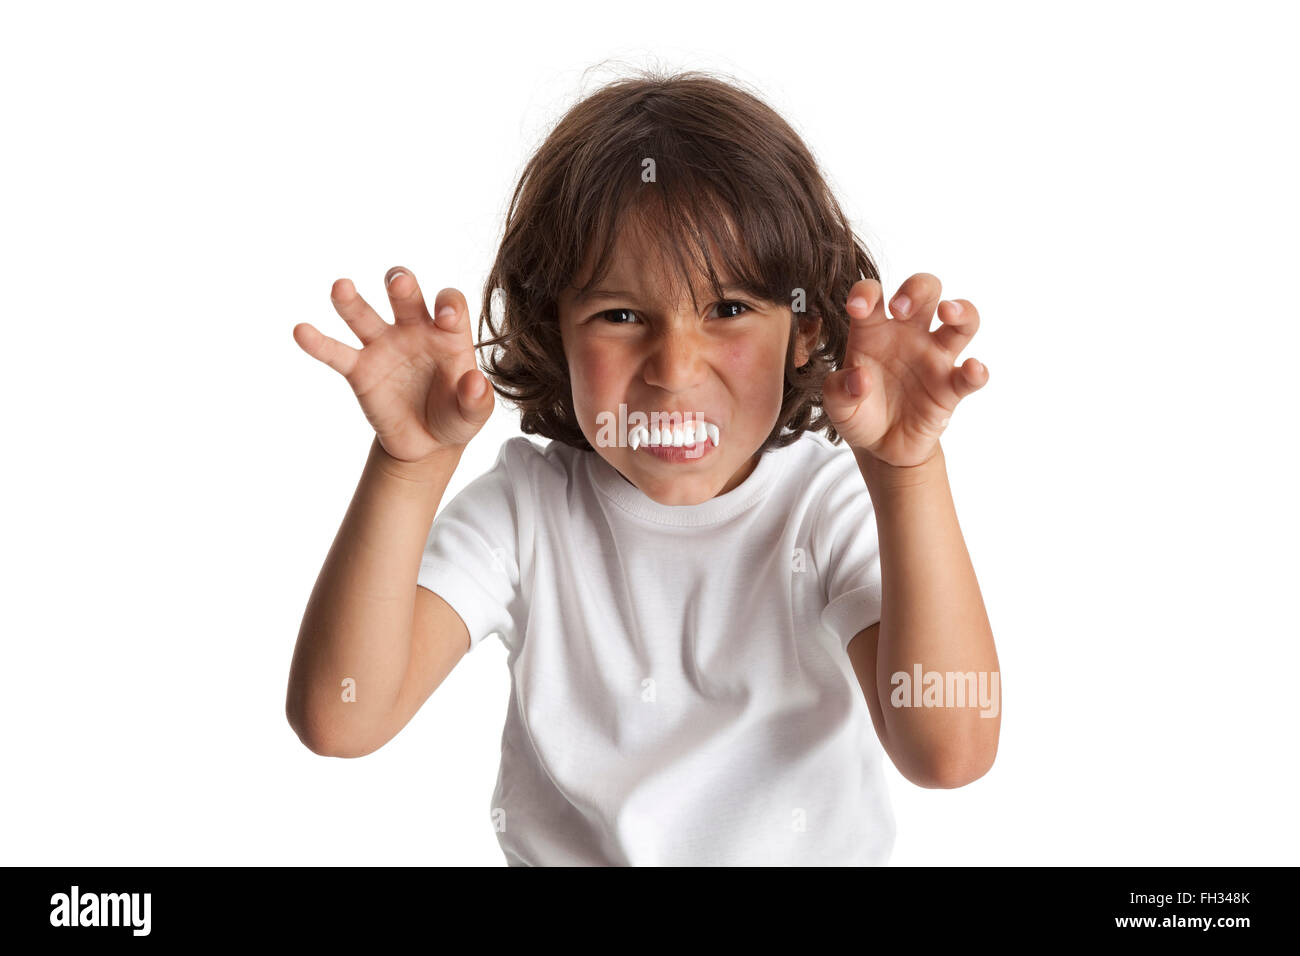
column 683, row 416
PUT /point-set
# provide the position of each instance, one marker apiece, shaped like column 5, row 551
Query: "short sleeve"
column 471, row 556
column 846, row 550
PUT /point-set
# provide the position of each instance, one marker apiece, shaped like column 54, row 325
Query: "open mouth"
column 677, row 443
column 676, row 436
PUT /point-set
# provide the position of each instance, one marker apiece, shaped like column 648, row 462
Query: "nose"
column 676, row 363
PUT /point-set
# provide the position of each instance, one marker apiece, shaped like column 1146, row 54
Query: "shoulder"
column 519, row 451
column 539, row 465
column 816, row 465
column 830, row 492
column 818, row 447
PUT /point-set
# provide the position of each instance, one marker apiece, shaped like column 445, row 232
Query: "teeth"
column 692, row 433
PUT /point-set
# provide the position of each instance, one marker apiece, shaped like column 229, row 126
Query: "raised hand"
column 417, row 380
column 898, row 386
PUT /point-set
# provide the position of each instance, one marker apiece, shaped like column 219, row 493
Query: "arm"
column 928, row 668
column 373, row 645
column 932, row 614
column 360, row 621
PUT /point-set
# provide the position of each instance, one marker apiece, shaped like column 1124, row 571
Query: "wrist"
column 886, row 477
column 426, row 471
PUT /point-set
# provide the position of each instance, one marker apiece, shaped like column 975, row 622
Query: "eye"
column 731, row 305
column 608, row 315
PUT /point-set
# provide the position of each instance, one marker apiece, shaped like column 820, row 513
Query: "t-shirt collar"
column 718, row 509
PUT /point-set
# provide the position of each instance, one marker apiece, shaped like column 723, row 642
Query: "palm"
column 405, row 381
column 911, row 386
column 414, row 377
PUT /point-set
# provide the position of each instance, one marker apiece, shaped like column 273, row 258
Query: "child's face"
column 653, row 352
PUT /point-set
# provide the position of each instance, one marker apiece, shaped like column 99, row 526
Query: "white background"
column 1113, row 186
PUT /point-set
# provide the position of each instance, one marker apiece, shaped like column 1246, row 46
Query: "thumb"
column 474, row 396
column 844, row 389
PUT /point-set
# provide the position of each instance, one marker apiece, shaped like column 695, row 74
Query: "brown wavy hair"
column 725, row 166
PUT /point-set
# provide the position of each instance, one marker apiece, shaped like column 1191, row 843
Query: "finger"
column 844, row 390
column 451, row 311
column 405, row 295
column 474, row 395
column 960, row 322
column 969, row 377
column 866, row 304
column 356, row 311
column 856, row 383
column 916, row 298
column 342, row 358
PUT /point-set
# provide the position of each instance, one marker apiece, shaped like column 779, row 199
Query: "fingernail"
column 851, row 382
column 395, row 274
column 447, row 312
column 955, row 307
column 902, row 305
column 858, row 302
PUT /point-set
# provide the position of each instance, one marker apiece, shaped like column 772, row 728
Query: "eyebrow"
column 615, row 294
column 601, row 294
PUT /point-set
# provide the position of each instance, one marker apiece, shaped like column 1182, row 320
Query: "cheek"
column 757, row 364
column 595, row 375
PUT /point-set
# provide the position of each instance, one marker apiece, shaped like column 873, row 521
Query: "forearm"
column 933, row 621
column 358, row 620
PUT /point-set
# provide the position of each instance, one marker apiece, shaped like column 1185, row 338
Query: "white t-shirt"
column 681, row 694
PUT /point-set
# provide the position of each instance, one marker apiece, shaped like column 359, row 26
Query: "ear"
column 805, row 339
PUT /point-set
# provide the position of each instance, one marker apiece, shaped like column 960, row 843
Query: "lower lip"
column 680, row 454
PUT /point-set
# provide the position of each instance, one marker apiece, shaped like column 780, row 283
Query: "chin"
column 677, row 491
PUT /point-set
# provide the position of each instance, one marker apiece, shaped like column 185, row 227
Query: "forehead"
column 641, row 263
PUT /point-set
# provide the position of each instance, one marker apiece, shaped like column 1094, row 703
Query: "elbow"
column 307, row 736
column 326, row 734
column 948, row 771
column 295, row 712
column 951, row 775
column 318, row 740
column 324, row 747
